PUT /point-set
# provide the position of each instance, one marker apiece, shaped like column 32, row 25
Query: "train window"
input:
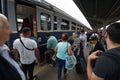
column 64, row 25
column 55, row 23
column 73, row 26
column 45, row 21
column 81, row 28
column 78, row 28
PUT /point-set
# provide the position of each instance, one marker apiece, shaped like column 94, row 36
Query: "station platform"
column 48, row 72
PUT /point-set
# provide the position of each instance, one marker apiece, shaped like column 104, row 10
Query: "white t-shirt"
column 83, row 37
column 26, row 56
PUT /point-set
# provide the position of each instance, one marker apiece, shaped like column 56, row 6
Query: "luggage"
column 81, row 65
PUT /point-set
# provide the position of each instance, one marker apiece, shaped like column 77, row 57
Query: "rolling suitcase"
column 81, row 65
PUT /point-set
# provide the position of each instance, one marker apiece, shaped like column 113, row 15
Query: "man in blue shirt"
column 51, row 44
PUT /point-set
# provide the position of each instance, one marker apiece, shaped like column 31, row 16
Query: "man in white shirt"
column 27, row 49
column 83, row 41
column 9, row 69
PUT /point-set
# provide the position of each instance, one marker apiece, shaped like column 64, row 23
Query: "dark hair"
column 82, row 31
column 114, row 32
column 47, row 34
column 26, row 20
column 65, row 36
column 93, row 38
column 26, row 30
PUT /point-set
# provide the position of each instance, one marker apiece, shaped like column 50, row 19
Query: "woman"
column 62, row 49
column 96, row 45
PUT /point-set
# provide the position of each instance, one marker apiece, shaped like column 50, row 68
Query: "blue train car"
column 43, row 17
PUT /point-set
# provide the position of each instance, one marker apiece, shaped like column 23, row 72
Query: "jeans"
column 61, row 64
column 28, row 68
column 82, row 54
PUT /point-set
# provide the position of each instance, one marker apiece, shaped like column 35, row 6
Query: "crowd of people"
column 102, row 63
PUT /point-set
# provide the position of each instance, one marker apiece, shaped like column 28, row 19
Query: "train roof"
column 51, row 7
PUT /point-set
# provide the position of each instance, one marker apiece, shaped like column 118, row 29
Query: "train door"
column 26, row 17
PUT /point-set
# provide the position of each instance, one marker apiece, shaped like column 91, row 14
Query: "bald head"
column 4, row 29
column 2, row 20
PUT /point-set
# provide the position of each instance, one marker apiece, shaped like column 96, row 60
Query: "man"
column 51, row 44
column 83, row 43
column 27, row 49
column 9, row 69
column 107, row 66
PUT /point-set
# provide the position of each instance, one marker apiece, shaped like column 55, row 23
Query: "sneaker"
column 51, row 65
column 66, row 74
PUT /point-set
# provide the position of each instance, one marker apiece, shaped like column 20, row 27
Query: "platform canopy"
column 99, row 13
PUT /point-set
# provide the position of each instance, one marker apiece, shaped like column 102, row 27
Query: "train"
column 42, row 16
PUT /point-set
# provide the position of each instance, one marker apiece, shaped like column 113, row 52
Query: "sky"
column 70, row 8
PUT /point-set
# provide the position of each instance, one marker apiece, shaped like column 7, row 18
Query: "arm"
column 55, row 50
column 90, row 73
column 48, row 44
column 37, row 53
column 15, row 52
column 70, row 50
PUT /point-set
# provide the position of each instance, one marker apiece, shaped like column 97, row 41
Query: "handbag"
column 70, row 61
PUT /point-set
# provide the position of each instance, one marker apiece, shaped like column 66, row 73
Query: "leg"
column 30, row 70
column 82, row 54
column 24, row 66
column 59, row 62
column 65, row 70
column 47, row 57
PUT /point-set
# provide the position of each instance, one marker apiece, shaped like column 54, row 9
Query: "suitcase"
column 81, row 66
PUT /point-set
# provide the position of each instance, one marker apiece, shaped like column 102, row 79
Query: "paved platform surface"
column 48, row 72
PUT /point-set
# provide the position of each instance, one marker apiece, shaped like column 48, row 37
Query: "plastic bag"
column 70, row 62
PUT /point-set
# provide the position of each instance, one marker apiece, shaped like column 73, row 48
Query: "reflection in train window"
column 64, row 25
column 45, row 21
column 55, row 23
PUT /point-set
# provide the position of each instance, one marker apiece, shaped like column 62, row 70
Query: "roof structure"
column 99, row 13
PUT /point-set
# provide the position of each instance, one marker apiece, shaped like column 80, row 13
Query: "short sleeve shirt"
column 26, row 56
column 62, row 49
column 51, row 42
column 106, row 68
column 83, row 37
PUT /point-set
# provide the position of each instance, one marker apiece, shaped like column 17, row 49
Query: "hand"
column 17, row 59
column 94, row 55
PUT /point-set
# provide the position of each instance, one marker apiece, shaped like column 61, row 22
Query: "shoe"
column 65, row 75
column 51, row 65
